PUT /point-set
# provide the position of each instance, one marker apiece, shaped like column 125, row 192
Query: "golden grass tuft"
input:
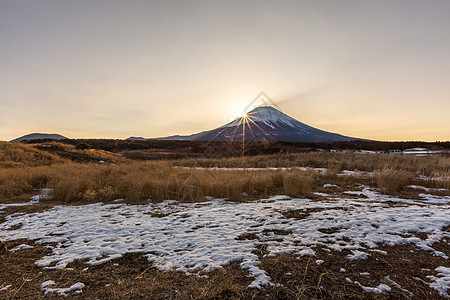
column 392, row 181
column 299, row 183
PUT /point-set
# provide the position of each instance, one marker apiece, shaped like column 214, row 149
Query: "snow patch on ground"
column 77, row 288
column 3, row 206
column 380, row 289
column 320, row 170
column 441, row 283
column 379, row 251
column 5, row 287
column 373, row 195
column 47, row 284
column 435, row 199
column 327, row 185
column 322, row 194
column 45, row 194
column 21, row 247
column 193, row 237
column 356, row 254
column 355, row 173
column 419, row 187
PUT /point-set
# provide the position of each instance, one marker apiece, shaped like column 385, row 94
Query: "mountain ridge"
column 265, row 123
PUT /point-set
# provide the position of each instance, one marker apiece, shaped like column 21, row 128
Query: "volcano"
column 265, row 123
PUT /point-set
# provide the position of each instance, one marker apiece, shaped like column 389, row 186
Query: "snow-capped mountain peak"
column 269, row 114
column 266, row 123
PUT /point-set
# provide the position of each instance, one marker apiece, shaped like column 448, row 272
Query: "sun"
column 238, row 114
column 243, row 116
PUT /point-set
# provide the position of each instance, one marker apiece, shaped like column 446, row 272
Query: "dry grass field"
column 316, row 186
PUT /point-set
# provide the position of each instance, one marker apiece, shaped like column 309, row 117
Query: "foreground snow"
column 442, row 282
column 204, row 236
column 46, row 287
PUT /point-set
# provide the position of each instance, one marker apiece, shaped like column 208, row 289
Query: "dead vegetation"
column 78, row 154
column 17, row 155
column 392, row 181
column 141, row 181
column 13, row 155
column 430, row 166
column 137, row 181
column 133, row 277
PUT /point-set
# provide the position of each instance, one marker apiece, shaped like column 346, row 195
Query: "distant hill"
column 136, row 138
column 39, row 136
column 266, row 123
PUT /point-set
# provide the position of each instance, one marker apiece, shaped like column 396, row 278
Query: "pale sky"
column 113, row 69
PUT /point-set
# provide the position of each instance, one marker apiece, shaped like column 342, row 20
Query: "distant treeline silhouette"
column 227, row 149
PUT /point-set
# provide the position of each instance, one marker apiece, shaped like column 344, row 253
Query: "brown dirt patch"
column 27, row 209
column 277, row 231
column 304, row 279
column 133, row 277
column 247, row 236
column 300, row 214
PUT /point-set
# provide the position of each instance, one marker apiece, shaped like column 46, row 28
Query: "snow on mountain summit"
column 270, row 114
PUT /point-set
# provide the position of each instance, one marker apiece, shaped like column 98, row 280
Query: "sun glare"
column 238, row 114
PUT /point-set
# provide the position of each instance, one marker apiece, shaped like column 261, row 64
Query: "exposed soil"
column 133, row 277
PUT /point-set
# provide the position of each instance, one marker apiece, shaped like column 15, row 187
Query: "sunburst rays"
column 247, row 126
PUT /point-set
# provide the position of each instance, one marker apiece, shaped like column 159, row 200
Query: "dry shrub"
column 444, row 183
column 185, row 187
column 434, row 182
column 243, row 184
column 193, row 185
column 330, row 174
column 392, row 181
column 13, row 187
column 17, row 182
column 38, row 179
column 298, row 183
column 69, row 188
column 239, row 185
column 18, row 155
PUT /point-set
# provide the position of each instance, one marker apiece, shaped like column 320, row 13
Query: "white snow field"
column 195, row 237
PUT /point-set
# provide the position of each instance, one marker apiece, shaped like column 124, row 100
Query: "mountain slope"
column 39, row 136
column 265, row 123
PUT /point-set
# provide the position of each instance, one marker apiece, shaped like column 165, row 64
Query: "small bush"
column 298, row 183
column 391, row 181
column 13, row 187
column 82, row 146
